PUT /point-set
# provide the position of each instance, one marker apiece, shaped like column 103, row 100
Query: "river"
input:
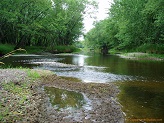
column 141, row 82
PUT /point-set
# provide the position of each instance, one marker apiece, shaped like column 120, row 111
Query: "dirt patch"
column 105, row 108
column 19, row 96
column 29, row 103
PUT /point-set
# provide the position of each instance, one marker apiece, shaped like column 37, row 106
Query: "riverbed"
column 140, row 81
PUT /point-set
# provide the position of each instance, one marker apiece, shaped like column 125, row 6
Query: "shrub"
column 63, row 49
column 152, row 48
column 6, row 48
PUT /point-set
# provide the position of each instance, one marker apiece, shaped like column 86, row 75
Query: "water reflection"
column 142, row 90
column 80, row 60
column 102, row 68
column 142, row 100
column 63, row 99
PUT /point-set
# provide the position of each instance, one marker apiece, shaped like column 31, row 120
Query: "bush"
column 34, row 49
column 63, row 49
column 6, row 48
column 152, row 48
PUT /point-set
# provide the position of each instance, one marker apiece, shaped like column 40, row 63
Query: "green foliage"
column 41, row 22
column 63, row 49
column 33, row 74
column 6, row 48
column 131, row 24
column 16, row 97
column 152, row 48
column 21, row 93
column 34, row 49
column 16, row 89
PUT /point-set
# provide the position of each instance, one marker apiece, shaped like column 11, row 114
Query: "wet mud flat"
column 24, row 99
column 20, row 96
column 102, row 106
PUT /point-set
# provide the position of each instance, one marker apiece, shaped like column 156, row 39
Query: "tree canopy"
column 131, row 24
column 41, row 22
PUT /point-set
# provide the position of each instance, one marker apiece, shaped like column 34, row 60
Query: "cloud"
column 104, row 6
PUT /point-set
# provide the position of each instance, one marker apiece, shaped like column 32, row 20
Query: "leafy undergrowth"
column 34, row 49
column 63, row 49
column 151, row 48
column 6, row 48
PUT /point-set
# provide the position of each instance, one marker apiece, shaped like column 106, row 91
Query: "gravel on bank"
column 20, row 95
column 36, row 108
column 105, row 108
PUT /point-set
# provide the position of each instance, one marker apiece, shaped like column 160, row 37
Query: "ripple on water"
column 92, row 76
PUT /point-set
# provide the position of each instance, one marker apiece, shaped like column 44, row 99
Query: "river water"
column 141, row 82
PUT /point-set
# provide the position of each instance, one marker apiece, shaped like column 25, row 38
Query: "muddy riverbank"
column 35, row 105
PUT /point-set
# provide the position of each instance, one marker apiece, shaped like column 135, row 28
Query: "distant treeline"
column 132, row 25
column 41, row 22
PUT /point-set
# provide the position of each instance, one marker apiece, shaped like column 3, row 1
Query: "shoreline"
column 140, row 56
column 105, row 108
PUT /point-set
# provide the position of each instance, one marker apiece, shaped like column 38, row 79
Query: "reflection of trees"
column 63, row 98
column 122, row 66
column 143, row 99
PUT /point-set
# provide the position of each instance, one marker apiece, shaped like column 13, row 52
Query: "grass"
column 152, row 52
column 161, row 56
column 6, row 48
column 19, row 89
column 32, row 74
column 16, row 97
column 34, row 49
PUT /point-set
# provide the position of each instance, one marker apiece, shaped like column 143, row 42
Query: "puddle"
column 62, row 99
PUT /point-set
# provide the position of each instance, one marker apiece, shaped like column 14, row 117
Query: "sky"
column 103, row 6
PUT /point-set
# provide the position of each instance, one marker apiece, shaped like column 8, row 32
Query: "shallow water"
column 143, row 81
column 142, row 100
column 93, row 68
column 62, row 99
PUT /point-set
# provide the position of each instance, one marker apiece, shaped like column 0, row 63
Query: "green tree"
column 41, row 22
column 131, row 24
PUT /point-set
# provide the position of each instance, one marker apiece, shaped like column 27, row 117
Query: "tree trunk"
column 21, row 43
column 104, row 49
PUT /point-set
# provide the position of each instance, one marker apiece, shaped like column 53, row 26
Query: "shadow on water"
column 142, row 100
column 62, row 99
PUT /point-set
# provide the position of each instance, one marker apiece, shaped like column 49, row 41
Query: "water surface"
column 63, row 99
column 142, row 100
column 142, row 81
column 93, row 68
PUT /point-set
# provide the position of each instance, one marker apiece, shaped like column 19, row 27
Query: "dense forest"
column 42, row 22
column 132, row 25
